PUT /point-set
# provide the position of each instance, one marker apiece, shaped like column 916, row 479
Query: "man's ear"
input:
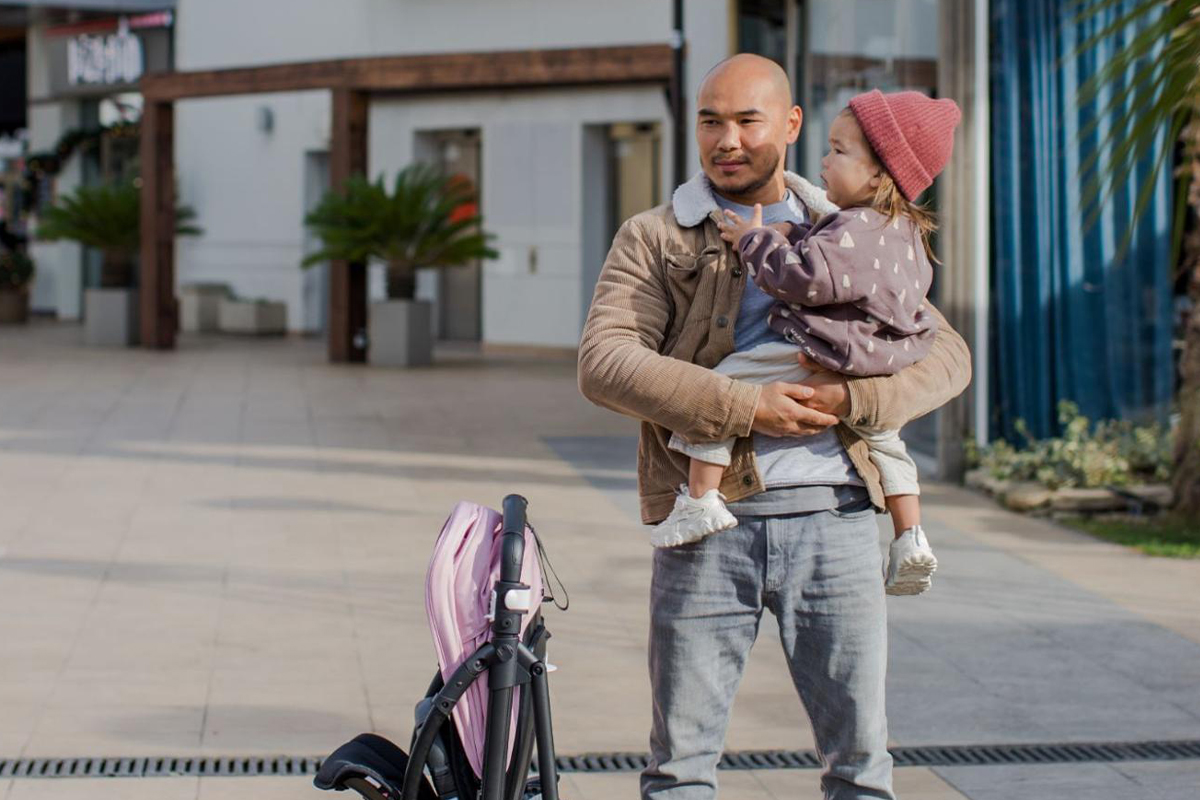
column 795, row 120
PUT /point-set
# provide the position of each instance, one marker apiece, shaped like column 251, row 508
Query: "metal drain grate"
column 923, row 756
column 155, row 767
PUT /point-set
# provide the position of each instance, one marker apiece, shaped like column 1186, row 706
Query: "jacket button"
column 747, row 480
column 737, row 272
column 722, row 322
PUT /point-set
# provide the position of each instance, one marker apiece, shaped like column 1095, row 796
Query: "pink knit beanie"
column 911, row 133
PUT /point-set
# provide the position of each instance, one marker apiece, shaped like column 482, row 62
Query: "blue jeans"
column 820, row 575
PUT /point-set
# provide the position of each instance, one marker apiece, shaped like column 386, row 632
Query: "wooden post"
column 159, row 310
column 348, row 281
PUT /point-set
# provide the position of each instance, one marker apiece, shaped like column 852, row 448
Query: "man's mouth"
column 729, row 167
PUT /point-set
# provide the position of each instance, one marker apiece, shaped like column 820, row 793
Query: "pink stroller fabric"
column 458, row 593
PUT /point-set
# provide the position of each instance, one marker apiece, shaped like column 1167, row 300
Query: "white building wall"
column 532, row 193
column 247, row 187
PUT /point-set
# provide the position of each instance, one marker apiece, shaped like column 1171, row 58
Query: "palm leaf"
column 419, row 223
column 1155, row 78
column 106, row 217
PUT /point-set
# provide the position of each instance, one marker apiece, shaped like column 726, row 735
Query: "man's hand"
column 804, row 408
column 830, row 394
column 784, row 410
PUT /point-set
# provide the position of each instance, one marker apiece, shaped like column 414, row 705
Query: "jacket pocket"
column 688, row 276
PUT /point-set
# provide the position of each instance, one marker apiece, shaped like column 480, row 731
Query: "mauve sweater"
column 851, row 290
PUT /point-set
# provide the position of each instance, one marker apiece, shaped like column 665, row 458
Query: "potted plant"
column 108, row 218
column 427, row 220
column 16, row 271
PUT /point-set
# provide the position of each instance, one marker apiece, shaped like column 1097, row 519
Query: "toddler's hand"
column 733, row 227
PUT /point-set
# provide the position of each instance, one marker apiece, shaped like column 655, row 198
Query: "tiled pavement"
column 221, row 550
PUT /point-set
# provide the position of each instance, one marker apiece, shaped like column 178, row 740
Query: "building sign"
column 98, row 62
column 112, row 60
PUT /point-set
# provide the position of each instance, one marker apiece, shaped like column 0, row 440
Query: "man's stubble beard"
column 754, row 184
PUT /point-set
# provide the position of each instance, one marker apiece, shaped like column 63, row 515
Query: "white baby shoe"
column 692, row 519
column 911, row 563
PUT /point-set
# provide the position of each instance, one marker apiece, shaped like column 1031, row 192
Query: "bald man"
column 673, row 300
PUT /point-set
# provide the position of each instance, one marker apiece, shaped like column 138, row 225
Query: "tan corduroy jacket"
column 662, row 316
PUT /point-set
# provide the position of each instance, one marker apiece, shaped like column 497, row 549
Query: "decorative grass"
column 1167, row 536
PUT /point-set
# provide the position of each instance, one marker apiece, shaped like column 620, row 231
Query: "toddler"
column 851, row 292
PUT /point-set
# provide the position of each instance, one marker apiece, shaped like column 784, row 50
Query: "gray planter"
column 14, row 306
column 199, row 306
column 110, row 317
column 400, row 333
column 259, row 318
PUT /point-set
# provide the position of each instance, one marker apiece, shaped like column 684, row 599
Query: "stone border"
column 1032, row 497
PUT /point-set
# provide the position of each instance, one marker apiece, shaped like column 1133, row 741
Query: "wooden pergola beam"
column 509, row 69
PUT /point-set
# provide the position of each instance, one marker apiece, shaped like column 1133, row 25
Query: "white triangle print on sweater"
column 846, row 240
column 845, row 281
column 882, row 243
column 877, row 263
column 911, row 254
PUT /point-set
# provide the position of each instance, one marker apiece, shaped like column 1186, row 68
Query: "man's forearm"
column 892, row 401
column 695, row 402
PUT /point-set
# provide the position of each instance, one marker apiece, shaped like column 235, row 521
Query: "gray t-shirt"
column 797, row 471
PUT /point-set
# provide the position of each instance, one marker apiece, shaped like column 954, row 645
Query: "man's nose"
column 730, row 140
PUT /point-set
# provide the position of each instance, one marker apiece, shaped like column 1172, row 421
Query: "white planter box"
column 110, row 317
column 248, row 316
column 200, row 306
column 400, row 333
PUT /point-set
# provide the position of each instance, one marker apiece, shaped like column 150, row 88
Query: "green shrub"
column 1110, row 453
column 16, row 269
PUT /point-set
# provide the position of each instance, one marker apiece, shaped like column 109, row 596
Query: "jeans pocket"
column 854, row 511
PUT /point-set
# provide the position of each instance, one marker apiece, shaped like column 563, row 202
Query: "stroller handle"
column 512, row 541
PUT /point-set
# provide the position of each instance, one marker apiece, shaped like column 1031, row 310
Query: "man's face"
column 743, row 128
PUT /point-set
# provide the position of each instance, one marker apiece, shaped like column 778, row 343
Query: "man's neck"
column 774, row 191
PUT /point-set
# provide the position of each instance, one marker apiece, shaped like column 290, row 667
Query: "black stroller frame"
column 373, row 766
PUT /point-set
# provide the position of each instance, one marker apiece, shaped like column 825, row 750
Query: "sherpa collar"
column 693, row 201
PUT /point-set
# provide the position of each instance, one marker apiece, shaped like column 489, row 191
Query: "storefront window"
column 851, row 46
column 762, row 28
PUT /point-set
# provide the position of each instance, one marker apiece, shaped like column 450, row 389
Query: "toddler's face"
column 849, row 170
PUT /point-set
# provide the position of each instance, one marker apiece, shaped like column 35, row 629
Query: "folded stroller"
column 483, row 592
